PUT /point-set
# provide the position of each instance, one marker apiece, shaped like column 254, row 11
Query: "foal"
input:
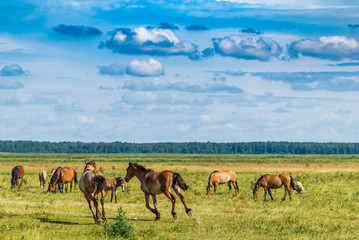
column 17, row 173
column 42, row 178
column 153, row 183
column 274, row 181
column 113, row 184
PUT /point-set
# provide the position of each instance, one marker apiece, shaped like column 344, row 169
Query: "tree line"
column 184, row 147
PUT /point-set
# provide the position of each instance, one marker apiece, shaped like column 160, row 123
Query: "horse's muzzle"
column 126, row 179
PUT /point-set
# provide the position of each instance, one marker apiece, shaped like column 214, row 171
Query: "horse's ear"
column 85, row 162
column 130, row 164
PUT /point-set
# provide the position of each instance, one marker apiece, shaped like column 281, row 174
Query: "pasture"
column 329, row 209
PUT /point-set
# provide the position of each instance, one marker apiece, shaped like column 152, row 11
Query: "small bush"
column 120, row 228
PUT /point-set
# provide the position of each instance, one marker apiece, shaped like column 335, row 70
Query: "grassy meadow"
column 329, row 209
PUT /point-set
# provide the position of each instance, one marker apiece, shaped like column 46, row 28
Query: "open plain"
column 329, row 209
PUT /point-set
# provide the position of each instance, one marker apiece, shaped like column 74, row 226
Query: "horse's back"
column 68, row 174
column 86, row 184
column 20, row 170
column 223, row 177
column 42, row 175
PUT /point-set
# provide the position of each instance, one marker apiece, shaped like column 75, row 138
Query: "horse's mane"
column 256, row 185
column 56, row 174
column 14, row 174
column 209, row 179
column 142, row 167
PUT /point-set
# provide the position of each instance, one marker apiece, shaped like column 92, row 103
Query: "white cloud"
column 86, row 119
column 152, row 67
column 248, row 46
column 332, row 47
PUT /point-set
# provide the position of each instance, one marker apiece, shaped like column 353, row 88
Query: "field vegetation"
column 329, row 209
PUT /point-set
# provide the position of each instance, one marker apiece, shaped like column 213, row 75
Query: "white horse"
column 299, row 187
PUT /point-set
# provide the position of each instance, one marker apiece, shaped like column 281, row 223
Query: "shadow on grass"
column 46, row 220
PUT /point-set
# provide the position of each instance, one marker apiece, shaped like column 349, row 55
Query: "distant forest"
column 185, row 148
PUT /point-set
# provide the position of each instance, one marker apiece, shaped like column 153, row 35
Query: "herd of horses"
column 93, row 182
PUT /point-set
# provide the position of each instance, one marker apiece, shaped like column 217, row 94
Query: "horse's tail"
column 209, row 179
column 75, row 177
column 292, row 183
column 14, row 174
column 178, row 180
column 257, row 185
column 100, row 182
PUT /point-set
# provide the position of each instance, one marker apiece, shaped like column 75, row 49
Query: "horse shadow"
column 47, row 220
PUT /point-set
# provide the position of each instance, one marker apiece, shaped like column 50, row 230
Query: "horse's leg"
column 158, row 215
column 103, row 194
column 287, row 188
column 229, row 185
column 147, row 197
column 270, row 194
column 188, row 210
column 71, row 186
column 173, row 200
column 235, row 185
column 116, row 195
column 285, row 193
column 95, row 203
column 265, row 193
column 215, row 187
column 90, row 206
column 112, row 195
column 67, row 186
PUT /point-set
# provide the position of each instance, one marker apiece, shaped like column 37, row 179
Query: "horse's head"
column 55, row 177
column 130, row 171
column 90, row 166
column 120, row 182
column 299, row 187
column 208, row 188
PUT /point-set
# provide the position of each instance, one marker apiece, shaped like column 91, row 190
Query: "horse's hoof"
column 97, row 222
column 157, row 218
column 103, row 218
column 189, row 213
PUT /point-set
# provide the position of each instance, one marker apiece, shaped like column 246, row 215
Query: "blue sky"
column 176, row 71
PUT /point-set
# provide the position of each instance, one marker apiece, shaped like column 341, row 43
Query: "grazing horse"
column 274, row 181
column 92, row 183
column 62, row 176
column 221, row 178
column 153, row 183
column 16, row 173
column 113, row 184
column 42, row 178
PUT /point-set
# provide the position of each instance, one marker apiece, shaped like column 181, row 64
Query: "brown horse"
column 17, row 173
column 274, row 181
column 92, row 183
column 221, row 178
column 113, row 184
column 153, row 183
column 42, row 178
column 62, row 176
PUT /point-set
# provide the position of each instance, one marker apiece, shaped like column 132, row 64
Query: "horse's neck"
column 141, row 174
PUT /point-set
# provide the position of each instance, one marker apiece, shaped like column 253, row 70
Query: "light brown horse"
column 92, row 183
column 42, row 178
column 113, row 184
column 274, row 181
column 17, row 173
column 221, row 178
column 153, row 183
column 62, row 176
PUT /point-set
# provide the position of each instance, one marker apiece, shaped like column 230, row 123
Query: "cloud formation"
column 139, row 85
column 12, row 70
column 196, row 27
column 248, row 46
column 153, row 42
column 332, row 47
column 7, row 84
column 112, row 69
column 77, row 31
column 143, row 68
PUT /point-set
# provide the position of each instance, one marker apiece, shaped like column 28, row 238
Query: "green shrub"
column 120, row 228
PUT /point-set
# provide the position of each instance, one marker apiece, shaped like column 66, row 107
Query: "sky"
column 179, row 71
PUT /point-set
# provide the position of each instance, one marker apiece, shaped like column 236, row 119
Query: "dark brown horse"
column 61, row 177
column 17, row 173
column 274, row 181
column 153, row 183
column 221, row 178
column 92, row 183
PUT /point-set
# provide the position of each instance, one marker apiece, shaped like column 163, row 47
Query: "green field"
column 329, row 209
